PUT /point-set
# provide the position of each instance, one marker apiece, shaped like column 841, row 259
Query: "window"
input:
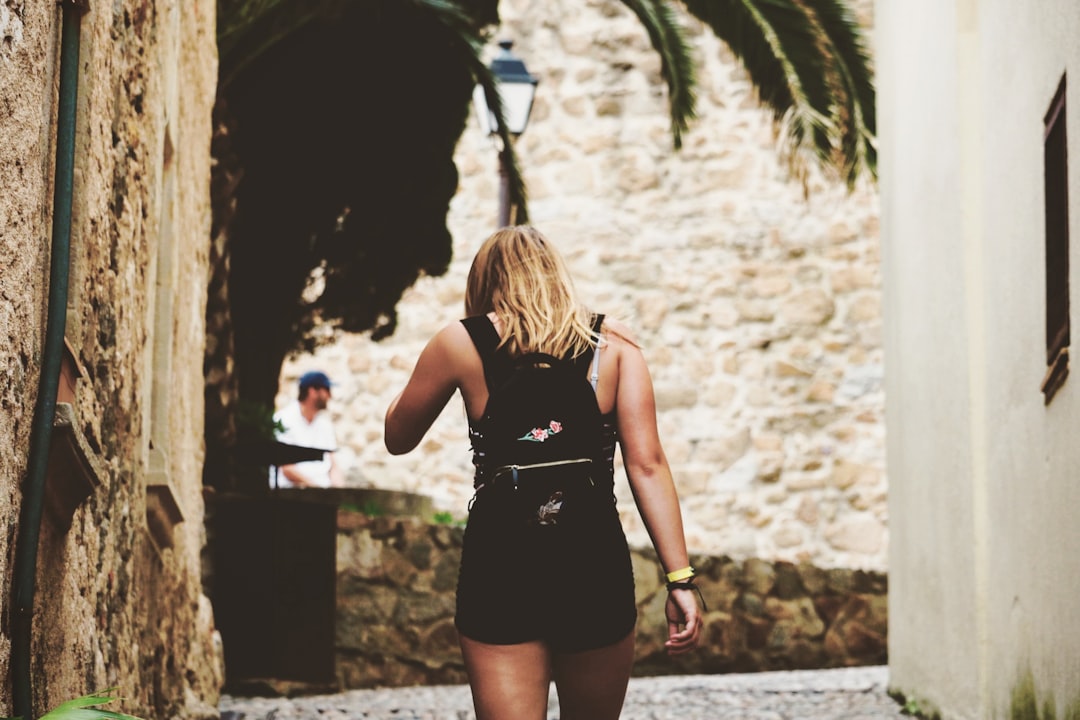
column 162, row 505
column 1056, row 186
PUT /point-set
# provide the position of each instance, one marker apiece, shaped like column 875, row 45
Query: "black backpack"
column 540, row 439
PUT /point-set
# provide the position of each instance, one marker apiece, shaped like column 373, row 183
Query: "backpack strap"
column 594, row 371
column 486, row 340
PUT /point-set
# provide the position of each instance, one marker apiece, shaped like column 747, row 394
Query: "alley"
column 841, row 694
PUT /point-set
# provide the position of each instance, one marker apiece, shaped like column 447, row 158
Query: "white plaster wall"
column 983, row 485
column 928, row 429
column 1033, row 455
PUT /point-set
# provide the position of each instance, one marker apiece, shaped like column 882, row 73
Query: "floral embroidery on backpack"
column 542, row 434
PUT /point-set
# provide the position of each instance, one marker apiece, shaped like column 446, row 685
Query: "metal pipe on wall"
column 33, row 499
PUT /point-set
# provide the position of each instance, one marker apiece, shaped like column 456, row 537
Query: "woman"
column 532, row 610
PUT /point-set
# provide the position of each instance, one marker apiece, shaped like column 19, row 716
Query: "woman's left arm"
column 649, row 475
column 432, row 383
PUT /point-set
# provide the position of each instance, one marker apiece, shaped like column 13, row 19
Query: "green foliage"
column 369, row 508
column 255, row 420
column 372, row 509
column 87, row 707
column 446, row 518
column 248, row 28
column 911, row 707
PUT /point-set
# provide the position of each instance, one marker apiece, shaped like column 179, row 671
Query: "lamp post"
column 516, row 88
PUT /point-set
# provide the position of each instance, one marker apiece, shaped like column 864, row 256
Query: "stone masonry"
column 757, row 304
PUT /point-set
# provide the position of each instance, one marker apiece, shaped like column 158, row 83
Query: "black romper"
column 570, row 587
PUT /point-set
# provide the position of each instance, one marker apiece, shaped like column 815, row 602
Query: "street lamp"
column 516, row 88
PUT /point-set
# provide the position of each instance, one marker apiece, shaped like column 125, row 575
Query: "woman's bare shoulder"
column 452, row 337
column 617, row 333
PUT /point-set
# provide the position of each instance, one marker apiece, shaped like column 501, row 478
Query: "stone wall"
column 118, row 601
column 395, row 600
column 758, row 308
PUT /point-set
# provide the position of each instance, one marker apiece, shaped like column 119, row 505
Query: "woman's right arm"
column 432, row 383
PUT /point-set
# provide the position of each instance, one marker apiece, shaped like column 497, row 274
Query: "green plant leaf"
column 911, row 707
column 86, row 708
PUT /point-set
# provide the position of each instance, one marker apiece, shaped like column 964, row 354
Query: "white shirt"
column 319, row 433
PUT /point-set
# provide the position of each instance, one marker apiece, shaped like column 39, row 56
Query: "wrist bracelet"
column 684, row 574
column 688, row 585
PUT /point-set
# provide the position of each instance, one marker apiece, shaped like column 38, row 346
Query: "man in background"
column 307, row 423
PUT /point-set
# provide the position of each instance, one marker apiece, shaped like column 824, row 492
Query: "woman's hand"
column 682, row 610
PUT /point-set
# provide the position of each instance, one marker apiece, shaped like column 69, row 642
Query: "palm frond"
column 464, row 34
column 251, row 27
column 808, row 65
column 858, row 126
column 508, row 156
column 454, row 16
column 676, row 64
column 233, row 16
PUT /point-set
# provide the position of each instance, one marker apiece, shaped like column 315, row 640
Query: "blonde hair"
column 519, row 275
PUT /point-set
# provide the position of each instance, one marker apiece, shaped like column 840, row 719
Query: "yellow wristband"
column 683, row 574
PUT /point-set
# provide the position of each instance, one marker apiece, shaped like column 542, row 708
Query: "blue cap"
column 315, row 378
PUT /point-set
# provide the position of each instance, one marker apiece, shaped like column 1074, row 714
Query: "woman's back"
column 474, row 388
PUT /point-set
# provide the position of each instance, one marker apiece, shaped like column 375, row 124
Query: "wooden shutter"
column 1056, row 178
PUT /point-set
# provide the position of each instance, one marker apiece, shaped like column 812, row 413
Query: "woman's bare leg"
column 592, row 684
column 509, row 682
